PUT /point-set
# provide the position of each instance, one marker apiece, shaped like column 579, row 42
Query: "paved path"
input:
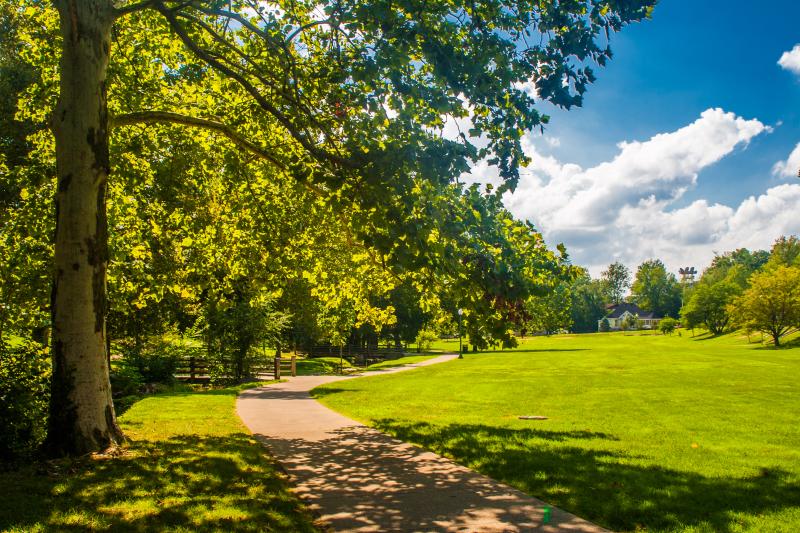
column 359, row 479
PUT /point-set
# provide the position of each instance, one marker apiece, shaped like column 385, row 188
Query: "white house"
column 617, row 313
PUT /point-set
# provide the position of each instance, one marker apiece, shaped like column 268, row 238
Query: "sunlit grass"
column 190, row 466
column 408, row 360
column 643, row 431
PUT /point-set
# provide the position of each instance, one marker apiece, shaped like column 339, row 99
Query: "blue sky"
column 698, row 94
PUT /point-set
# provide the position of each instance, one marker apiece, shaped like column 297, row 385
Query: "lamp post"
column 460, row 350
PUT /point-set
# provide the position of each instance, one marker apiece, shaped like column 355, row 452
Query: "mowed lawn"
column 643, row 431
column 191, row 465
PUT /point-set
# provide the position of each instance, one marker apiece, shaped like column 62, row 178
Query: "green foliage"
column 425, row 338
column 771, row 304
column 587, row 304
column 654, row 289
column 785, row 252
column 629, row 322
column 734, row 267
column 667, row 326
column 616, row 279
column 604, row 325
column 126, row 380
column 24, row 394
column 235, row 326
column 551, row 313
column 708, row 306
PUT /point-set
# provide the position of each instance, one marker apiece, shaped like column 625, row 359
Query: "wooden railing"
column 197, row 369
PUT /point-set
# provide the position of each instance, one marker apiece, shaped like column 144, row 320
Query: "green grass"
column 644, row 431
column 408, row 360
column 330, row 365
column 319, row 366
column 190, row 466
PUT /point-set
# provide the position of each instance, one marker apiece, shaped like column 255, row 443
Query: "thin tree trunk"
column 81, row 410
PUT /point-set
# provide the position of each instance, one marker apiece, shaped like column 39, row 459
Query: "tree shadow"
column 531, row 350
column 706, row 336
column 600, row 485
column 322, row 391
column 359, row 479
column 188, row 482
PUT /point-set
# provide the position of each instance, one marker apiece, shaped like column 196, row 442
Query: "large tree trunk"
column 81, row 409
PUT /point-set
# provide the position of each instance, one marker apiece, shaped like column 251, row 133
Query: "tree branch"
column 282, row 118
column 132, row 8
column 167, row 117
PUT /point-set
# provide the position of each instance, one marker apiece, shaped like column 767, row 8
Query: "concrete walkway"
column 359, row 479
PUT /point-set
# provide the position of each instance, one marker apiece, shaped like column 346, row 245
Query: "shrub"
column 604, row 325
column 667, row 326
column 24, row 396
column 425, row 338
column 126, row 380
column 155, row 361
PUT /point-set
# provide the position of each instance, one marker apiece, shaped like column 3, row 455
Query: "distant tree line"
column 757, row 291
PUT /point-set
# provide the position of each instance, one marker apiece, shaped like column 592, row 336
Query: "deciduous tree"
column 771, row 304
column 345, row 97
column 656, row 290
column 616, row 280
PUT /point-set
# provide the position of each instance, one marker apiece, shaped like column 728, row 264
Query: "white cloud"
column 791, row 60
column 625, row 209
column 790, row 167
column 528, row 87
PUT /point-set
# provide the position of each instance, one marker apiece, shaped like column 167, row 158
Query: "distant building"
column 617, row 313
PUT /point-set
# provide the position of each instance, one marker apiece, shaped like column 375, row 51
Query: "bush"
column 425, row 338
column 604, row 325
column 24, row 397
column 155, row 362
column 667, row 326
column 126, row 380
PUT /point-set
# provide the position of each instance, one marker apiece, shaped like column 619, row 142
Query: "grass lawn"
column 190, row 466
column 644, row 432
column 319, row 366
column 408, row 360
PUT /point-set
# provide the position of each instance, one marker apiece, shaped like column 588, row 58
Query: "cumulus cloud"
column 625, row 209
column 790, row 167
column 791, row 60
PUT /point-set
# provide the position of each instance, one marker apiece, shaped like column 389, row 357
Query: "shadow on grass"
column 186, row 482
column 600, row 485
column 530, row 350
column 707, row 336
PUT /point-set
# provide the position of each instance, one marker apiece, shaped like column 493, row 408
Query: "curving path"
column 359, row 479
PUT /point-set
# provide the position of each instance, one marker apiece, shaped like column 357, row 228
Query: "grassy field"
column 190, row 466
column 408, row 360
column 643, row 432
column 330, row 365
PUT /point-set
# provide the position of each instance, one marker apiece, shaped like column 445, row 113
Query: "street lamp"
column 460, row 350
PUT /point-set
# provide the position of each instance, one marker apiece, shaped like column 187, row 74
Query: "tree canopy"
column 220, row 152
column 656, row 290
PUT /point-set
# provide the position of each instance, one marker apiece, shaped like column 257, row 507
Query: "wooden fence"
column 197, row 369
column 355, row 353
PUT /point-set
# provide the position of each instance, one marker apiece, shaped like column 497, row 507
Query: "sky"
column 687, row 145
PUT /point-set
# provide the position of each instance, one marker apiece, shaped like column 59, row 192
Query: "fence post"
column 294, row 365
column 191, row 369
column 277, row 368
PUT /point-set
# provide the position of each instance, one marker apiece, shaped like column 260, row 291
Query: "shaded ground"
column 191, row 466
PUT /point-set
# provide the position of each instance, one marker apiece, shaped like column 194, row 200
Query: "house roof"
column 616, row 311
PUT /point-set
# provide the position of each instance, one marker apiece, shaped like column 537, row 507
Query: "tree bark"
column 82, row 415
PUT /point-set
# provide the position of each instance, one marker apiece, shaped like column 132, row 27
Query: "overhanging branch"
column 168, row 117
